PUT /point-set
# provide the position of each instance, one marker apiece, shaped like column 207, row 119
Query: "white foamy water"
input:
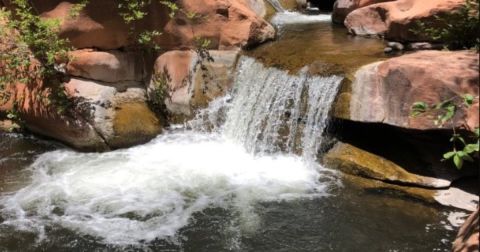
column 151, row 191
column 289, row 17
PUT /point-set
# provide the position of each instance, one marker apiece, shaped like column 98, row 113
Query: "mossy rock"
column 341, row 105
column 423, row 194
column 134, row 123
column 355, row 161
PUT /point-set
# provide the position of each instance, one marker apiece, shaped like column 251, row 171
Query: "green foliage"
column 160, row 92
column 31, row 49
column 132, row 11
column 147, row 39
column 445, row 113
column 172, row 6
column 77, row 8
column 459, row 29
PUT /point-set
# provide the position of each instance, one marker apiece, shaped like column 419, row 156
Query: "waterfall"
column 271, row 111
column 277, row 5
column 274, row 111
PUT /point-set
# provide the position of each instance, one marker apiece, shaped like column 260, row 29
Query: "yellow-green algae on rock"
column 355, row 161
column 134, row 121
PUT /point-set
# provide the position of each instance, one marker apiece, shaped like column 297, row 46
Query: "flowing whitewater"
column 258, row 144
column 276, row 5
column 284, row 17
column 274, row 111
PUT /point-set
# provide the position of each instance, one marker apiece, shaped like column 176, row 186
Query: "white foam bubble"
column 151, row 191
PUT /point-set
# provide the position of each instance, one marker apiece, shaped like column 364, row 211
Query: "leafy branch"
column 462, row 150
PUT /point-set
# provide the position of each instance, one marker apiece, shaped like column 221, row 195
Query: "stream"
column 242, row 176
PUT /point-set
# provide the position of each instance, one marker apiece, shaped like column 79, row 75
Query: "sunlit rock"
column 384, row 92
column 191, row 80
column 397, row 20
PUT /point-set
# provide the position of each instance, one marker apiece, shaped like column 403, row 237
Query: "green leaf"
column 458, row 161
column 449, row 155
column 418, row 108
column 471, row 148
column 468, row 99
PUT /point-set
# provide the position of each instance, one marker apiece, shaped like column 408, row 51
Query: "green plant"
column 465, row 147
column 160, row 92
column 458, row 29
column 31, row 50
column 77, row 8
column 134, row 11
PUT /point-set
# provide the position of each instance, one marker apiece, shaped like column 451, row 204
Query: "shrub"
column 459, row 29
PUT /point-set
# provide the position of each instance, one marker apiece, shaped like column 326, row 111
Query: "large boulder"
column 107, row 66
column 342, row 8
column 226, row 23
column 384, row 92
column 396, row 20
column 468, row 236
column 97, row 116
column 117, row 112
column 191, row 80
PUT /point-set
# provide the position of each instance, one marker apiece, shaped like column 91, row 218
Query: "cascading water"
column 284, row 17
column 276, row 111
column 150, row 192
column 276, row 5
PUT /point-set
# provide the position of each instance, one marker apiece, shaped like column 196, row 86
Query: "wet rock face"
column 395, row 20
column 384, row 92
column 192, row 81
column 226, row 23
column 404, row 160
column 355, row 161
column 383, row 173
column 468, row 236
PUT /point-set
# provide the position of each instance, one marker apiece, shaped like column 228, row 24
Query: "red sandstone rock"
column 396, row 20
column 191, row 81
column 342, row 8
column 384, row 92
column 108, row 66
column 226, row 23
